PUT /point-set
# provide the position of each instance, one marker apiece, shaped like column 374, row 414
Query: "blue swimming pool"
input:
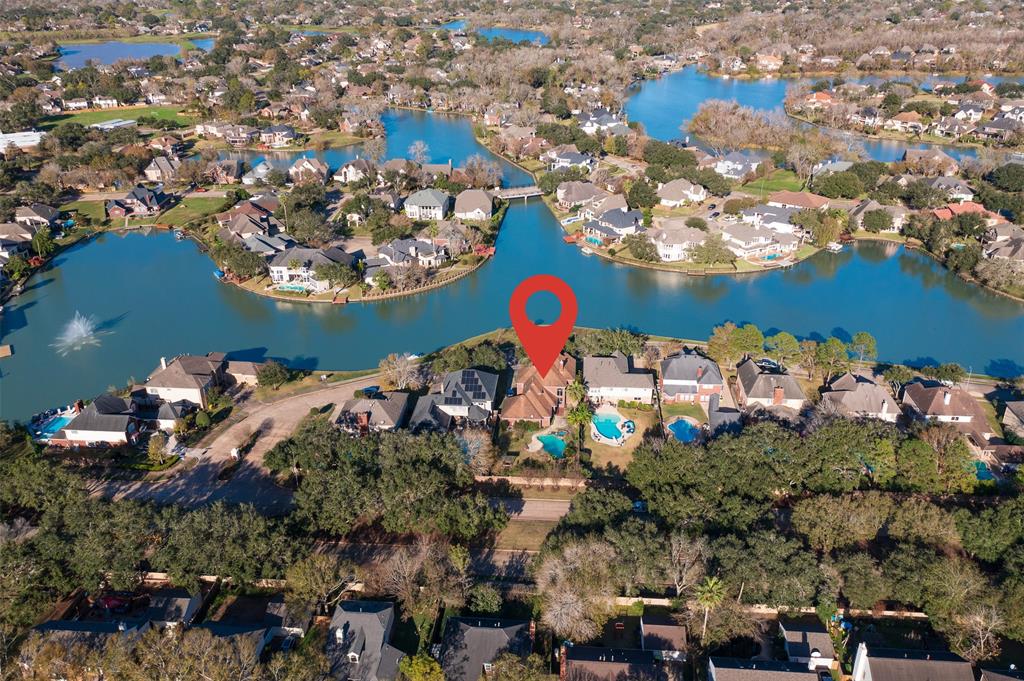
column 608, row 425
column 53, row 426
column 553, row 445
column 772, row 256
column 294, row 288
column 683, row 430
column 983, row 472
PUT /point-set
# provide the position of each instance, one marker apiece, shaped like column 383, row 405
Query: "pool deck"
column 609, row 410
column 535, row 446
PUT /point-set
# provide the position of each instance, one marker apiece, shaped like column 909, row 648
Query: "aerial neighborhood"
column 263, row 416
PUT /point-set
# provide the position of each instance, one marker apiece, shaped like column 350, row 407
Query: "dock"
column 6, row 351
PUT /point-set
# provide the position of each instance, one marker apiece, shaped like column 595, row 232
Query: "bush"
column 876, row 221
column 697, row 223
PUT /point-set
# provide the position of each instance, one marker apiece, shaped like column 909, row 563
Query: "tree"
column 709, row 595
column 272, row 373
column 685, row 561
column 830, row 357
column 712, row 251
column 1008, row 177
column 863, row 584
column 898, row 375
column 43, row 243
column 642, row 195
column 863, row 345
column 641, row 247
column 697, row 223
column 202, row 419
column 783, row 347
column 318, row 580
column 16, row 267
column 336, row 274
column 401, row 371
column 156, row 449
column 512, row 667
column 808, row 356
column 420, row 667
column 976, row 633
column 842, row 185
column 419, row 151
column 878, row 220
column 576, row 586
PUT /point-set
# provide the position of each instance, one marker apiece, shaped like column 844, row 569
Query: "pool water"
column 297, row 288
column 608, row 425
column 553, row 445
column 683, row 430
column 54, row 426
column 983, row 472
column 772, row 256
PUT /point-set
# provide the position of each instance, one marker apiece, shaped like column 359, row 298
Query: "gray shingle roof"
column 471, row 642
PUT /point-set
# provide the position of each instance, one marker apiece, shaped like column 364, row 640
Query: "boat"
column 179, row 235
column 219, row 274
column 834, row 247
column 587, row 250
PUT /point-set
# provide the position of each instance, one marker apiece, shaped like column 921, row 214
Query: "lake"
column 153, row 296
column 664, row 104
column 76, row 55
column 515, row 35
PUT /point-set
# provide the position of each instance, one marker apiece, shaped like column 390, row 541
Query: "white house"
column 474, row 204
column 427, row 204
column 675, row 242
column 611, row 379
column 681, row 191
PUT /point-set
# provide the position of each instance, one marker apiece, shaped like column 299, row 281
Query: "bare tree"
column 685, row 563
column 419, row 151
column 976, row 633
column 401, row 371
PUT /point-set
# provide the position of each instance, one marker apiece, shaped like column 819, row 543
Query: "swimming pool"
column 683, row 430
column 983, row 472
column 772, row 256
column 553, row 445
column 608, row 425
column 53, row 426
column 295, row 288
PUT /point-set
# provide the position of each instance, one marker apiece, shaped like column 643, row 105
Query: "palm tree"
column 576, row 391
column 710, row 594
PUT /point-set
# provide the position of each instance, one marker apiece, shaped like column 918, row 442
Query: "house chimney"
column 885, row 406
column 700, row 372
column 163, row 362
column 946, row 397
column 778, row 394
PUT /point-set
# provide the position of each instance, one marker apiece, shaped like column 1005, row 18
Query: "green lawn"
column 94, row 210
column 192, row 209
column 129, row 113
column 670, row 410
column 777, row 181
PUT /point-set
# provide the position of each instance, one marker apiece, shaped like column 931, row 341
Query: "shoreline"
column 938, row 142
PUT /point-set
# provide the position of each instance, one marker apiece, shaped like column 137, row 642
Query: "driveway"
column 252, row 483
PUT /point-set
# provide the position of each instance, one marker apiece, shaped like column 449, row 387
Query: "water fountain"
column 79, row 332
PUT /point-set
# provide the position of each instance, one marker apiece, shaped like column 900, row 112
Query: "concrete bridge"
column 518, row 192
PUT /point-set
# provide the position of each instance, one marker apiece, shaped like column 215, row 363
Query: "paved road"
column 533, row 509
column 108, row 196
column 252, row 482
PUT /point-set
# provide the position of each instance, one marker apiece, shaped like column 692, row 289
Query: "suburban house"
column 906, row 121
column 297, row 266
column 427, row 204
column 162, row 169
column 309, row 169
column 406, row 252
column 585, row 663
column 674, row 240
column 613, row 379
column 930, row 161
column 567, row 156
column 358, row 641
column 355, row 170
column 689, row 376
column 538, row 399
column 858, row 396
column 884, row 664
column 577, row 193
column 808, row 642
column 1010, row 250
column 107, row 420
column 36, row 215
column 613, row 225
column 77, row 637
column 761, row 387
column 736, row 669
column 602, row 204
column 381, row 411
column 1013, row 418
column 15, row 238
column 681, row 191
column 932, row 401
column 898, row 214
column 774, row 217
column 139, row 201
column 953, row 188
column 800, row 200
column 467, row 398
column 736, row 165
column 746, row 240
column 277, row 136
column 225, row 171
column 189, row 378
column 474, row 204
column 663, row 636
column 258, row 174
column 471, row 644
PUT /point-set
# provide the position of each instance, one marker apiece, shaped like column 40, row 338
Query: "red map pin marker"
column 543, row 343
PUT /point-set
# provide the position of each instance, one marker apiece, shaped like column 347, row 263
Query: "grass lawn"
column 527, row 535
column 192, row 209
column 333, row 138
column 309, row 383
column 776, row 181
column 94, row 210
column 880, row 236
column 603, row 456
column 171, row 113
column 672, row 409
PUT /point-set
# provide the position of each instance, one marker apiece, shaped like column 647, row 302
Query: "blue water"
column 75, row 55
column 665, row 104
column 553, row 445
column 512, row 34
column 54, row 426
column 683, row 430
column 983, row 472
column 608, row 425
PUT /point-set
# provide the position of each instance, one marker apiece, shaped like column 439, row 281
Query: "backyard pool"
column 53, row 426
column 553, row 445
column 684, row 430
column 608, row 425
column 983, row 472
column 772, row 256
column 293, row 288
